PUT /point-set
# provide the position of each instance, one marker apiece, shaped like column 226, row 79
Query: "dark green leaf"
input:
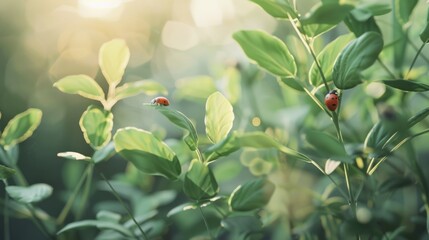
column 424, row 35
column 113, row 59
column 144, row 86
column 96, row 125
column 407, row 85
column 251, row 195
column 98, row 224
column 363, row 12
column 404, row 9
column 108, row 216
column 104, row 153
column 358, row 55
column 329, row 13
column 199, row 182
column 223, row 148
column 182, row 121
column 293, row 83
column 361, row 27
column 242, row 227
column 30, row 194
column 267, row 51
column 277, row 9
column 326, row 144
column 219, row 117
column 393, row 184
column 21, row 127
column 327, row 58
column 147, row 153
column 82, row 85
column 6, row 172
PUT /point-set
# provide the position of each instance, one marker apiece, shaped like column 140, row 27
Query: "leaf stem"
column 352, row 201
column 38, row 222
column 415, row 59
column 6, row 214
column 86, row 190
column 124, row 206
column 392, row 75
column 205, row 221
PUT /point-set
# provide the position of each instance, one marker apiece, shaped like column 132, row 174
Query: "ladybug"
column 331, row 100
column 160, row 101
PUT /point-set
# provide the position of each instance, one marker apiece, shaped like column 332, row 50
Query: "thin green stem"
column 205, row 221
column 392, row 75
column 200, row 156
column 6, row 214
column 415, row 59
column 86, row 191
column 416, row 48
column 124, row 206
column 72, row 198
column 349, row 188
column 38, row 222
column 330, row 178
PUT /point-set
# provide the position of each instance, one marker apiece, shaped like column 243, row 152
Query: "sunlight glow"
column 104, row 9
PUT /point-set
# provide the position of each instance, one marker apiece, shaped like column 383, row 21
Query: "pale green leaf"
column 82, row 85
column 219, row 117
column 21, row 127
column 277, row 9
column 6, row 172
column 113, row 59
column 73, row 156
column 30, row 194
column 96, row 125
column 147, row 87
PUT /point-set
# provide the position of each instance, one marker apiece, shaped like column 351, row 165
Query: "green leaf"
column 144, row 86
column 98, row 224
column 327, row 58
column 424, row 35
column 251, row 195
column 108, row 216
column 267, row 51
column 73, row 156
column 219, row 117
column 30, row 194
column 417, row 118
column 242, row 227
column 358, row 55
column 403, row 10
column 147, row 153
column 82, row 85
column 104, row 153
column 329, row 13
column 326, row 144
column 195, row 88
column 361, row 27
column 313, row 30
column 407, row 85
column 179, row 119
column 6, row 172
column 113, row 59
column 331, row 165
column 277, row 9
column 292, row 83
column 223, row 148
column 21, row 127
column 199, row 182
column 182, row 208
column 364, row 12
column 96, row 125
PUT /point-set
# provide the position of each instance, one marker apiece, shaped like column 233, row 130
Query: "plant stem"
column 415, row 59
column 86, row 190
column 38, row 222
column 200, row 156
column 124, row 206
column 416, row 48
column 205, row 221
column 349, row 189
column 330, row 178
column 392, row 75
column 6, row 214
column 72, row 198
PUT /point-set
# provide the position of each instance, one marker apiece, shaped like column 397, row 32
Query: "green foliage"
column 251, row 195
column 31, row 194
column 82, row 85
column 322, row 13
column 200, row 183
column 113, row 59
column 100, row 224
column 21, row 127
column 219, row 117
column 277, row 9
column 6, row 172
column 405, row 85
column 133, row 88
column 96, row 125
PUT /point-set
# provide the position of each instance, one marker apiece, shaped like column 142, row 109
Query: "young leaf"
column 21, row 127
column 144, row 86
column 277, row 9
column 424, row 35
column 96, row 125
column 82, row 85
column 104, row 153
column 406, row 85
column 199, row 182
column 251, row 195
column 179, row 119
column 30, row 194
column 358, row 55
column 113, row 59
column 98, row 224
column 331, row 165
column 73, row 156
column 323, row 13
column 267, row 51
column 147, row 153
column 327, row 58
column 219, row 117
column 6, row 172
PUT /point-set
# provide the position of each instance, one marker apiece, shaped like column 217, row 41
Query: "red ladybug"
column 331, row 100
column 160, row 101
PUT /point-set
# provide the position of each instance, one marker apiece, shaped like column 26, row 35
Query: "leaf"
column 277, row 9
column 326, row 144
column 364, row 12
column 223, row 148
column 21, row 127
column 407, row 85
column 96, row 125
column 267, row 51
column 327, row 58
column 82, row 85
column 6, row 172
column 104, row 153
column 179, row 119
column 144, row 86
column 251, row 195
column 181, row 208
column 328, row 13
column 199, row 182
column 195, row 88
column 98, row 224
column 292, row 83
column 403, row 10
column 361, row 27
column 108, row 216
column 113, row 59
column 147, row 153
column 73, row 156
column 30, row 194
column 313, row 30
column 219, row 117
column 242, row 227
column 424, row 35
column 417, row 118
column 331, row 165
column 358, row 55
